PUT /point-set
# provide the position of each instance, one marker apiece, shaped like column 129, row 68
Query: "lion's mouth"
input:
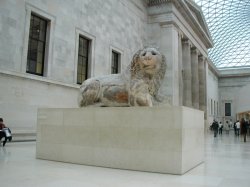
column 149, row 67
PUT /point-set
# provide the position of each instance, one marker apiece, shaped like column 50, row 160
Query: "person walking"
column 237, row 128
column 230, row 124
column 244, row 128
column 215, row 128
column 227, row 128
column 220, row 128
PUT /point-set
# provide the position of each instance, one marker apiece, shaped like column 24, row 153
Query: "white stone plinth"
column 155, row 139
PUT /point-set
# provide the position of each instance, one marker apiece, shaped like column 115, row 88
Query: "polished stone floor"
column 227, row 164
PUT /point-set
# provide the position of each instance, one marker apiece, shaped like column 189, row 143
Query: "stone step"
column 21, row 137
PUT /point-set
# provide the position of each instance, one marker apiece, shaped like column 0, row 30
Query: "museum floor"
column 227, row 164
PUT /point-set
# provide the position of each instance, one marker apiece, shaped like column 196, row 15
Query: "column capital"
column 195, row 50
column 180, row 33
column 201, row 58
column 187, row 42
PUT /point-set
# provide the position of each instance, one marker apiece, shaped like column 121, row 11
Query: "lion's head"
column 149, row 64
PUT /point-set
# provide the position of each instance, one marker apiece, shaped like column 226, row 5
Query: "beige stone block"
column 192, row 158
column 49, row 150
column 156, row 139
column 74, row 117
column 55, row 117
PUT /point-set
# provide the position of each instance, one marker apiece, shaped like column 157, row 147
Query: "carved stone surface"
column 137, row 86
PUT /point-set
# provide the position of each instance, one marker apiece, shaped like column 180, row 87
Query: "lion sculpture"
column 138, row 85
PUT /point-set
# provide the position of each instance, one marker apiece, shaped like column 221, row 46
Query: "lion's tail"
column 89, row 92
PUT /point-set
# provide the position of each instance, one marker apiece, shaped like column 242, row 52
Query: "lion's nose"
column 148, row 56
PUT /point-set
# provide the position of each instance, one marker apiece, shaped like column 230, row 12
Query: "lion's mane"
column 136, row 73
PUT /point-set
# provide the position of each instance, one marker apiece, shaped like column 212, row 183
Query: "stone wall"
column 243, row 101
column 234, row 88
column 213, row 111
column 124, row 26
column 118, row 25
column 21, row 96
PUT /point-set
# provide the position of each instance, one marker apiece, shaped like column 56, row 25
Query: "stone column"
column 180, row 36
column 202, row 74
column 195, row 77
column 187, row 76
column 169, row 47
column 206, row 75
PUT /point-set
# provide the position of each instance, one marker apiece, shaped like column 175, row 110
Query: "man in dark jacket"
column 215, row 126
column 244, row 128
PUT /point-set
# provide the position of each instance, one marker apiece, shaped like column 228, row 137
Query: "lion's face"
column 149, row 65
column 150, row 60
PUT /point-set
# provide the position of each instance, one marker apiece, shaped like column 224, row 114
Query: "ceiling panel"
column 229, row 24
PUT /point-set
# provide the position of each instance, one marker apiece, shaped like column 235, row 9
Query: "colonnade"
column 193, row 76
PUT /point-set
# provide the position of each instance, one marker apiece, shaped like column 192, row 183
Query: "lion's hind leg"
column 89, row 92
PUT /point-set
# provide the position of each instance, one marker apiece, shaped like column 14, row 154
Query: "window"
column 217, row 109
column 227, row 109
column 115, row 62
column 36, row 47
column 211, row 107
column 83, row 56
column 214, row 108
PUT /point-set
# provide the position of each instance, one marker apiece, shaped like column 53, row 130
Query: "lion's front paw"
column 139, row 94
column 140, row 100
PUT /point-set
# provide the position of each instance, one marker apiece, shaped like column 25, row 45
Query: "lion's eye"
column 143, row 54
column 153, row 53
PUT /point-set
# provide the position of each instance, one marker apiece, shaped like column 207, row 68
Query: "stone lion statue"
column 136, row 86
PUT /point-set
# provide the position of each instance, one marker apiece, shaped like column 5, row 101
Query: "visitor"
column 215, row 126
column 227, row 128
column 237, row 128
column 230, row 124
column 248, row 127
column 4, row 132
column 244, row 128
column 220, row 128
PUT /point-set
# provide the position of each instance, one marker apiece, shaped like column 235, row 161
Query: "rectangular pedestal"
column 155, row 139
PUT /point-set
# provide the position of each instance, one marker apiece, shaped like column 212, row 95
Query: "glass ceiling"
column 229, row 24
